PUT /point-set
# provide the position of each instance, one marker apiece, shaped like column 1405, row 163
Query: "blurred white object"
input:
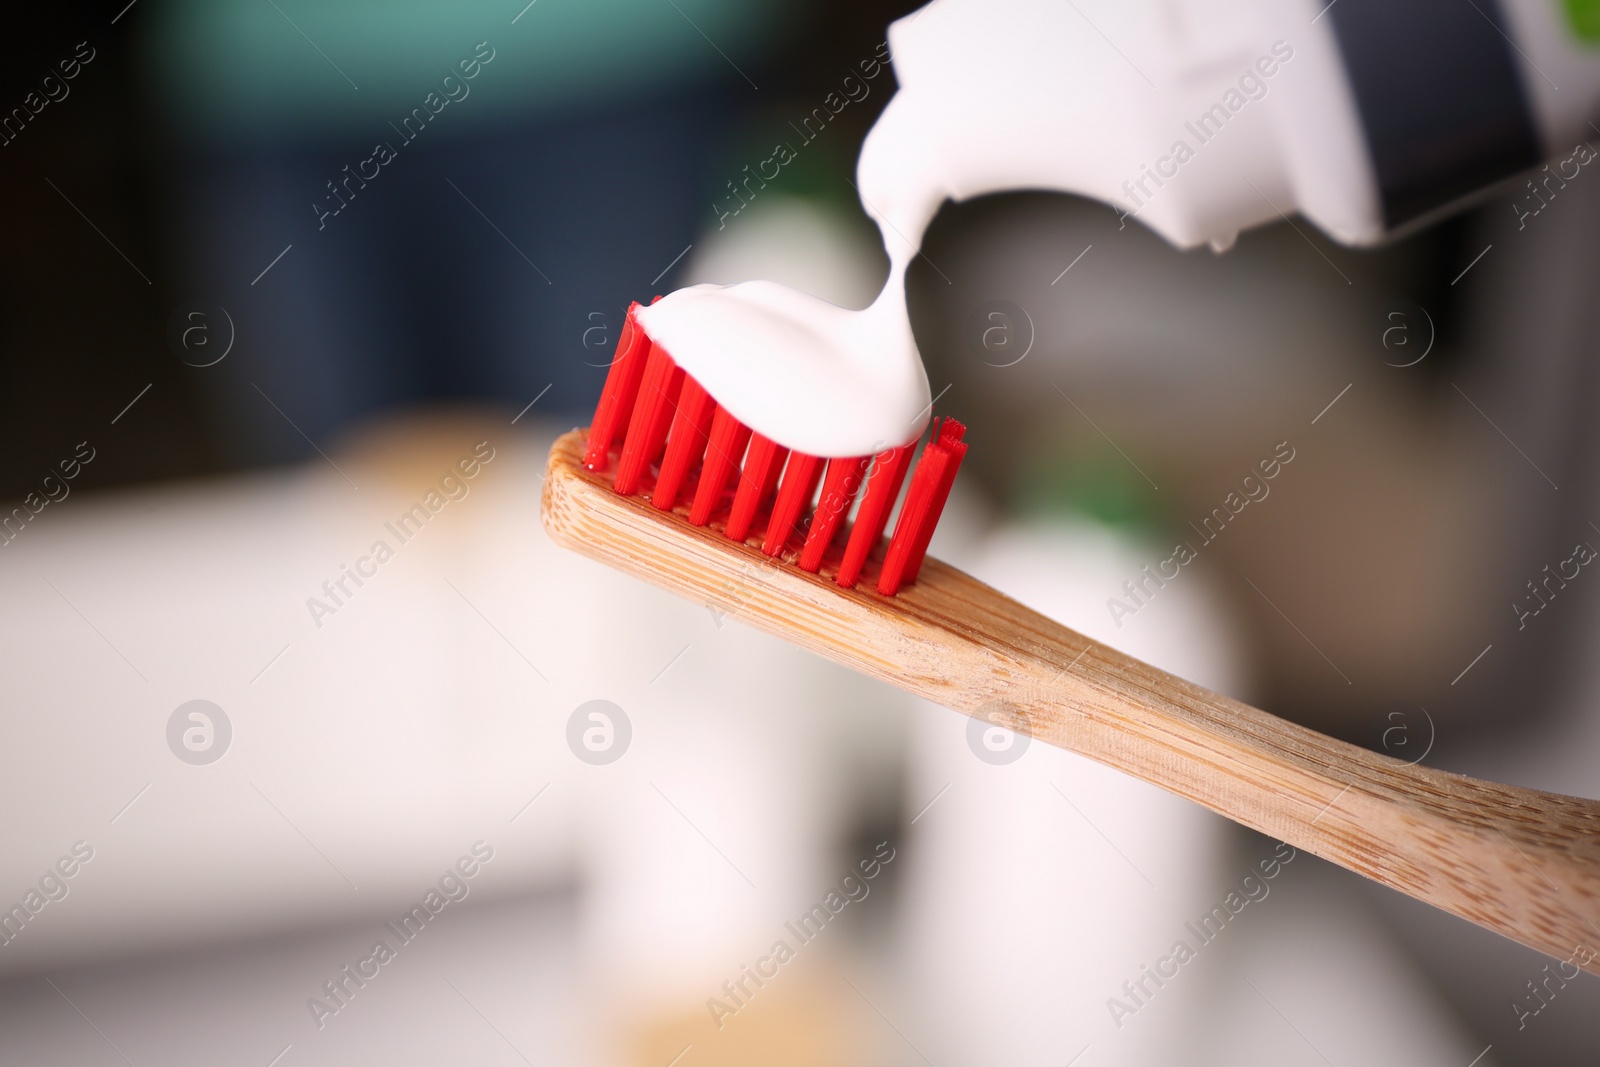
column 372, row 745
column 1037, row 887
column 492, row 985
column 1042, row 892
column 1315, row 980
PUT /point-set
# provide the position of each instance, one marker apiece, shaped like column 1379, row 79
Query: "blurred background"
column 279, row 274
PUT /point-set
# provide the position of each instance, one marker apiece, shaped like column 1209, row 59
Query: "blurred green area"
column 1584, row 17
column 1077, row 476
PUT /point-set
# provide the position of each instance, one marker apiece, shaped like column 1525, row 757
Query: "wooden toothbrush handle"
column 1521, row 862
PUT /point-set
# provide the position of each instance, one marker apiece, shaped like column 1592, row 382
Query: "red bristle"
column 756, row 480
column 930, row 487
column 616, row 399
column 912, row 516
column 647, row 429
column 655, row 411
column 950, row 438
column 799, row 482
column 883, row 485
column 724, row 450
column 839, row 488
column 685, row 444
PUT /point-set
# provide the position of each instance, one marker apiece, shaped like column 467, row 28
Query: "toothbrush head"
column 658, row 434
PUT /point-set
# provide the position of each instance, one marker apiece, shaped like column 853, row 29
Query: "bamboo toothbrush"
column 1521, row 862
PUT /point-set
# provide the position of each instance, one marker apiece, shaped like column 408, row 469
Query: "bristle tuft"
column 930, row 488
column 652, row 414
column 686, row 442
column 799, row 483
column 839, row 488
column 724, row 452
column 760, row 474
column 883, row 486
column 611, row 415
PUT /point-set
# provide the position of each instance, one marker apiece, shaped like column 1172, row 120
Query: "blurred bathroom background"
column 240, row 342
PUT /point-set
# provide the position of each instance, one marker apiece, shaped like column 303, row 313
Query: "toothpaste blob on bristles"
column 811, row 376
column 655, row 415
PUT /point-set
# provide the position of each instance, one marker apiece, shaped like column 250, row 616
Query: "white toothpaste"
column 1200, row 118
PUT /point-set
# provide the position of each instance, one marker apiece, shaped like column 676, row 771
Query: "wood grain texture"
column 1520, row 862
